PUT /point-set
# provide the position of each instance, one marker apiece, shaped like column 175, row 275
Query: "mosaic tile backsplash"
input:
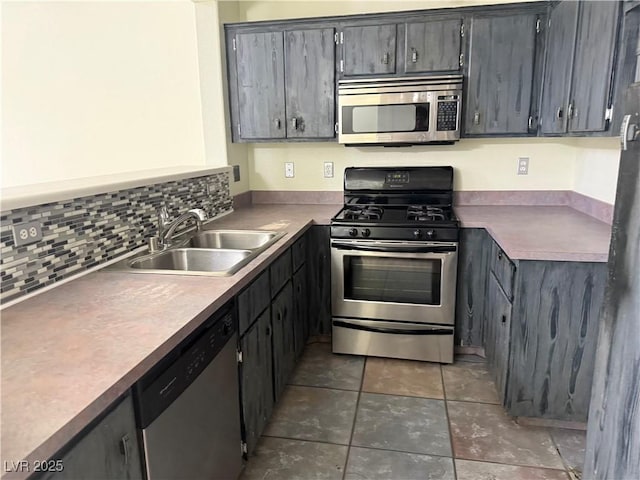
column 84, row 232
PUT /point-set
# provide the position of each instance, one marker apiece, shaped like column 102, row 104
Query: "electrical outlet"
column 328, row 169
column 523, row 166
column 288, row 170
column 236, row 173
column 26, row 233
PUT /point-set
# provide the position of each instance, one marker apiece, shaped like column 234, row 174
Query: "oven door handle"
column 430, row 331
column 395, row 248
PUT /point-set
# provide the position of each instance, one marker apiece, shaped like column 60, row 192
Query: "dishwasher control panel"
column 174, row 373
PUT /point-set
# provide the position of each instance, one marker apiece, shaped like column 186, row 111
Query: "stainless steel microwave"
column 399, row 111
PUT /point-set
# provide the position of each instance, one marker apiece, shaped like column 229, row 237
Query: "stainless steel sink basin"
column 194, row 261
column 233, row 239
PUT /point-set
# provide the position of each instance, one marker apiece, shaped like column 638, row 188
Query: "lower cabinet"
column 319, row 265
column 256, row 371
column 109, row 450
column 300, row 309
column 284, row 353
column 538, row 322
column 498, row 324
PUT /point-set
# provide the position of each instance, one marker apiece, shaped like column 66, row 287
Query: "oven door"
column 402, row 281
column 403, row 117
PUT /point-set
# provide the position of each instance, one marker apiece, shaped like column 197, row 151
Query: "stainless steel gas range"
column 394, row 254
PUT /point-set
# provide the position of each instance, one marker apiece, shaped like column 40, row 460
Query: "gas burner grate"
column 424, row 213
column 366, row 212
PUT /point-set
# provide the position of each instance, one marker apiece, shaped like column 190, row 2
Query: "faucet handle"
column 163, row 215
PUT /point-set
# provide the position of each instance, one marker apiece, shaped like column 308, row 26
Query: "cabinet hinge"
column 461, row 60
column 239, row 131
column 239, row 356
column 608, row 114
column 335, row 127
column 243, row 447
column 538, row 26
column 233, row 44
column 341, row 65
column 341, row 38
column 462, row 30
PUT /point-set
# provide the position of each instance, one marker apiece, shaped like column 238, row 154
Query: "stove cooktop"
column 422, row 215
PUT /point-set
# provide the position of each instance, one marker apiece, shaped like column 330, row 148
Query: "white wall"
column 597, row 163
column 94, row 88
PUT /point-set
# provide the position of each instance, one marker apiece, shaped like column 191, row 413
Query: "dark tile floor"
column 346, row 418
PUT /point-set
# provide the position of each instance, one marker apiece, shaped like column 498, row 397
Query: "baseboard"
column 469, row 350
column 550, row 423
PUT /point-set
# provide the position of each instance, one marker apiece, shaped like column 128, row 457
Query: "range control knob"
column 417, row 234
column 431, row 234
column 353, row 232
column 366, row 233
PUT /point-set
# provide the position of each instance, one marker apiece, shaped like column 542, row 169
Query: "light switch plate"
column 27, row 233
column 523, row 166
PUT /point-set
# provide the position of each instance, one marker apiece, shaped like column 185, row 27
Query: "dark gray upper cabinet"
column 260, row 80
column 595, row 47
column 500, row 74
column 310, row 83
column 563, row 23
column 369, row 50
column 577, row 91
column 432, row 46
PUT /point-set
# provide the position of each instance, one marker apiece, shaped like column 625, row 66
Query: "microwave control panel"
column 447, row 113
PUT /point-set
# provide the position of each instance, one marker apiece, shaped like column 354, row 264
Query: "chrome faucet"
column 167, row 228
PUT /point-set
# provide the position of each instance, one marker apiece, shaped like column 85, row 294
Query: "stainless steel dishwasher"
column 188, row 407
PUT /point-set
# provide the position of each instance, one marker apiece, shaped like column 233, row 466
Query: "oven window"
column 387, row 279
column 385, row 118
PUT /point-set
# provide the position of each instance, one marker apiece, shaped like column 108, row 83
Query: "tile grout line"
column 446, row 411
column 355, row 416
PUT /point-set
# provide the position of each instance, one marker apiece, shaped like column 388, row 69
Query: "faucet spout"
column 168, row 229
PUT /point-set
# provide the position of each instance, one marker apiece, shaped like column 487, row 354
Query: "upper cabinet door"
column 369, row 50
column 595, row 46
column 500, row 74
column 433, row 46
column 260, row 77
column 557, row 74
column 310, row 83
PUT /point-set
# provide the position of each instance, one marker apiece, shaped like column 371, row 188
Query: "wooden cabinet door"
column 108, row 451
column 369, row 50
column 559, row 63
column 433, row 46
column 260, row 78
column 474, row 248
column 283, row 340
column 256, row 386
column 593, row 64
column 319, row 268
column 500, row 76
column 310, row 83
column 300, row 309
column 498, row 330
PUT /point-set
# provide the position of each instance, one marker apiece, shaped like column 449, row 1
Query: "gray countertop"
column 68, row 353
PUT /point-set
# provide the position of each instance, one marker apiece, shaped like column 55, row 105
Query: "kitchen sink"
column 233, row 239
column 192, row 261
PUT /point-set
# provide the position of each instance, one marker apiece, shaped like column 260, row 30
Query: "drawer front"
column 299, row 253
column 252, row 301
column 503, row 268
column 280, row 272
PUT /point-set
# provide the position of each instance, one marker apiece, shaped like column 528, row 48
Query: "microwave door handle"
column 394, row 331
column 395, row 248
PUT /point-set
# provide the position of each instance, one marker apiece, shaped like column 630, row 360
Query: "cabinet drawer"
column 503, row 269
column 280, row 272
column 299, row 253
column 252, row 301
